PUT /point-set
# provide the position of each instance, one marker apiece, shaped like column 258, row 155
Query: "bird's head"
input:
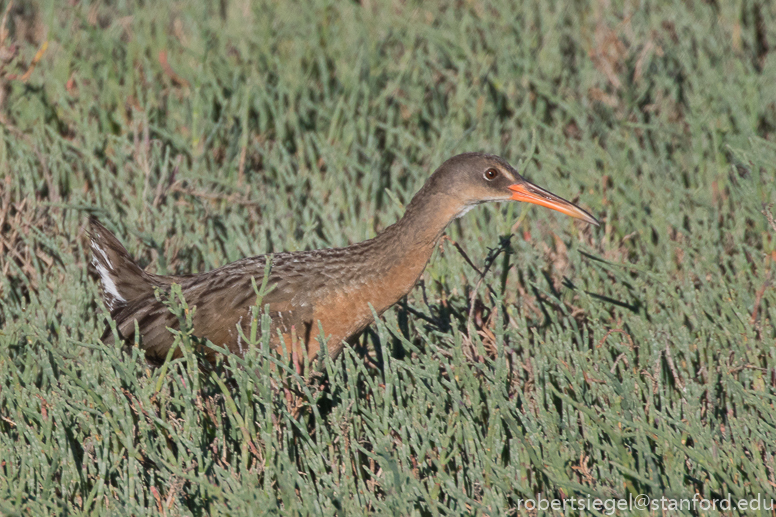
column 475, row 178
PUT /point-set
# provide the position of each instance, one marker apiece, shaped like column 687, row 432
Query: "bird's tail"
column 122, row 279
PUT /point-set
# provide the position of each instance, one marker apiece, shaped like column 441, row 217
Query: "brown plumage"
column 332, row 286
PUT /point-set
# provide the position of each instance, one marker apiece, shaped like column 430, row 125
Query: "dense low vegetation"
column 538, row 356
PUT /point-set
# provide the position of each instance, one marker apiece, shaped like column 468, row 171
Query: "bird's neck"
column 400, row 253
column 423, row 222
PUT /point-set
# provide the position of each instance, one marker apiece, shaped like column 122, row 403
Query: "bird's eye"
column 491, row 174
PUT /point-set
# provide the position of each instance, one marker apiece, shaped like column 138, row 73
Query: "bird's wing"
column 223, row 303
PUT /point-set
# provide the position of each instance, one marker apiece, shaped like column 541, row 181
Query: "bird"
column 333, row 293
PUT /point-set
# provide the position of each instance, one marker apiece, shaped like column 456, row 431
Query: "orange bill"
column 530, row 193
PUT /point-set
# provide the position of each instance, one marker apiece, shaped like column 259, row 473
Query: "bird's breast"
column 346, row 310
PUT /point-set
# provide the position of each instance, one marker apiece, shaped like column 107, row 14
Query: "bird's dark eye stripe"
column 491, row 174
